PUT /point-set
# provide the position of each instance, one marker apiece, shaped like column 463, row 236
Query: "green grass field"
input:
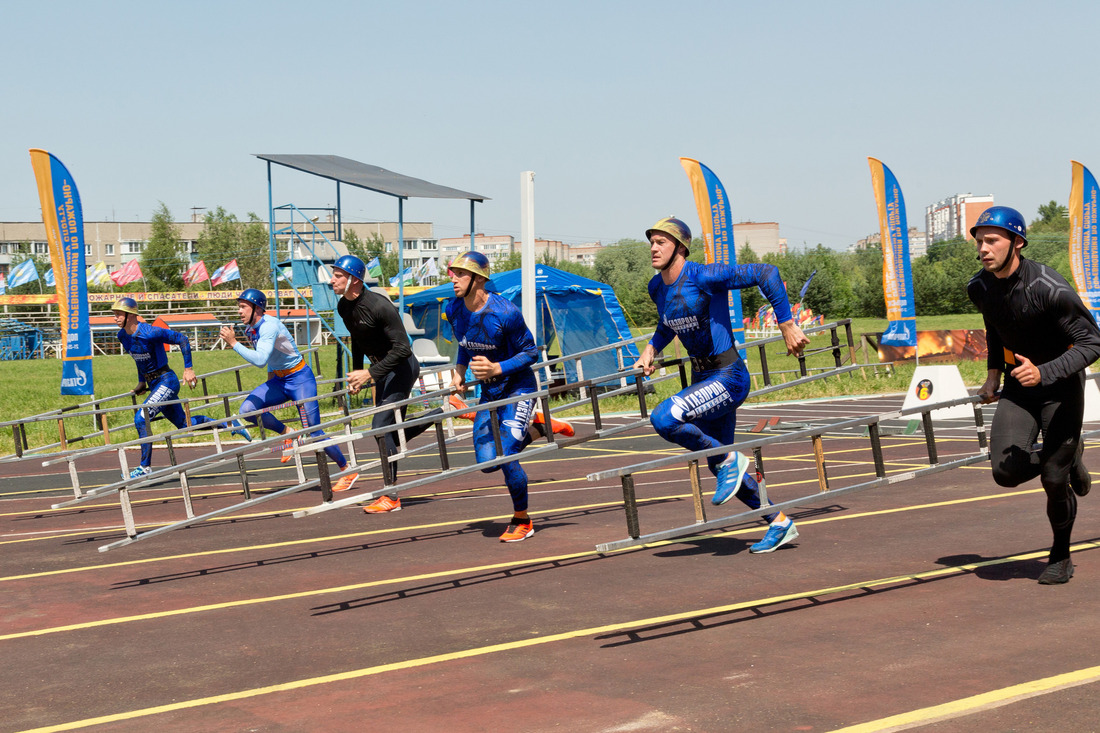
column 31, row 387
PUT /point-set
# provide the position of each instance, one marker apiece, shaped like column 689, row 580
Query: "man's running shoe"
column 457, row 403
column 139, row 471
column 384, row 504
column 241, row 430
column 345, row 482
column 731, row 472
column 561, row 427
column 518, row 530
column 288, row 449
column 774, row 538
column 1057, row 573
column 1079, row 479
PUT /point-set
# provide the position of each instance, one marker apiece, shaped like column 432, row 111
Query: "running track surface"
column 908, row 606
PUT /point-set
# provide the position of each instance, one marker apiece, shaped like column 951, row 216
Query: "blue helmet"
column 474, row 262
column 1002, row 217
column 255, row 297
column 352, row 265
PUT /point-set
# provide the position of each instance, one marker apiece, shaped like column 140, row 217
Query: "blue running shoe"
column 240, row 430
column 731, row 472
column 139, row 471
column 775, row 538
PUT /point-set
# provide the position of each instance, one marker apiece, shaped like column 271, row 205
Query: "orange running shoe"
column 558, row 426
column 288, row 446
column 345, row 482
column 384, row 504
column 458, row 404
column 518, row 530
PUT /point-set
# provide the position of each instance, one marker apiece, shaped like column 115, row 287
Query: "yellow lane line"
column 529, row 642
column 454, row 571
column 976, row 703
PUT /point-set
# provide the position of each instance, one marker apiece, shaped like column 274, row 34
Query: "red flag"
column 195, row 274
column 130, row 271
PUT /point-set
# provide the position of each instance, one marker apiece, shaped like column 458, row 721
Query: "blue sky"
column 149, row 102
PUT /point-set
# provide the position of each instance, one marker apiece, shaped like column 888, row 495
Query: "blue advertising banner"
column 897, row 273
column 64, row 220
column 1083, row 241
column 713, row 208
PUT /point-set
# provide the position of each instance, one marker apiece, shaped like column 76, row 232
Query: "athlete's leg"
column 514, row 421
column 1062, row 419
column 163, row 389
column 268, row 394
column 302, row 385
column 1011, row 436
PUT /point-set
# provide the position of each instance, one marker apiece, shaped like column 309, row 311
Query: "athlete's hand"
column 139, row 389
column 458, row 381
column 645, row 362
column 189, row 377
column 228, row 336
column 483, row 368
column 793, row 337
column 1027, row 374
column 988, row 392
column 357, row 380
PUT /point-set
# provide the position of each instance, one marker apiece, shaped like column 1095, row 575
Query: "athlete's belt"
column 287, row 372
column 727, row 358
column 157, row 373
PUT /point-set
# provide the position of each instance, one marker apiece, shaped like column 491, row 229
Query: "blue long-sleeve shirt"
column 146, row 345
column 695, row 307
column 497, row 332
column 273, row 346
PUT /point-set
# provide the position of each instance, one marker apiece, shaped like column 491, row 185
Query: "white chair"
column 381, row 291
column 410, row 326
column 426, row 352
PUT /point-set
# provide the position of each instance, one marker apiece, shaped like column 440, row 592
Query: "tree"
column 254, row 254
column 220, row 239
column 162, row 261
column 625, row 266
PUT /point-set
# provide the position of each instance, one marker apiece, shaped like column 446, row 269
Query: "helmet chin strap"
column 671, row 259
column 1015, row 253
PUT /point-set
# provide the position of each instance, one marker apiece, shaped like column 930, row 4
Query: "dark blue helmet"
column 352, row 265
column 255, row 297
column 1002, row 217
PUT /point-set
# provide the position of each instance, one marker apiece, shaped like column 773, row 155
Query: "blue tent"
column 582, row 313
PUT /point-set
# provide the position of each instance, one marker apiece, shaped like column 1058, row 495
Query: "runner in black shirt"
column 378, row 334
column 1041, row 334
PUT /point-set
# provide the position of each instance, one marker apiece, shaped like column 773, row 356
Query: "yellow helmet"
column 125, row 305
column 474, row 262
column 674, row 228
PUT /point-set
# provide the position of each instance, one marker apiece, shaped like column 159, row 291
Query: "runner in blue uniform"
column 289, row 377
column 693, row 304
column 1041, row 337
column 497, row 346
column 146, row 344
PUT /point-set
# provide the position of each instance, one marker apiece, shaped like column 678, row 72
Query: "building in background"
column 762, row 236
column 952, row 217
column 116, row 243
column 918, row 243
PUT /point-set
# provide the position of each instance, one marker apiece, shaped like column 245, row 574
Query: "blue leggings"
column 514, row 420
column 164, row 388
column 704, row 416
column 276, row 390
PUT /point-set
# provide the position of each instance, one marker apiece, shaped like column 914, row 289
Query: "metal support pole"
column 876, row 449
column 819, row 459
column 244, row 477
column 630, row 504
column 979, row 426
column 322, row 473
column 639, row 382
column 441, row 444
column 764, row 373
column 494, row 422
column 930, row 438
column 696, row 491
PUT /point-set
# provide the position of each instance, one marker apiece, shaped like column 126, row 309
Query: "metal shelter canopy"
column 371, row 178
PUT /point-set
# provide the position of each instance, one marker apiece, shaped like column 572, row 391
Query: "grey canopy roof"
column 370, row 177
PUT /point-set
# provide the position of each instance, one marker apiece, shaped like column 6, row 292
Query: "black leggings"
column 395, row 387
column 1021, row 414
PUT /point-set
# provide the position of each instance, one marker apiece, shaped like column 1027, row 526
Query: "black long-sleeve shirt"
column 376, row 332
column 1035, row 313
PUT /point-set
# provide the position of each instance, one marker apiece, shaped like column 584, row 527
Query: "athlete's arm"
column 265, row 345
column 716, row 278
column 645, row 362
column 1081, row 331
column 793, row 337
column 521, row 344
column 394, row 332
column 988, row 392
